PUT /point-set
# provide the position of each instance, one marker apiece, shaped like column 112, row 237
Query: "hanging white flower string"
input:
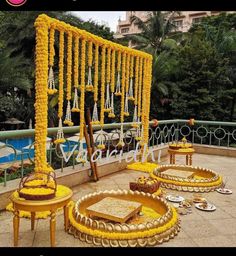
column 68, row 115
column 118, row 90
column 60, row 134
column 112, row 113
column 101, row 144
column 138, row 131
column 95, row 114
column 51, row 83
column 75, row 102
column 126, row 110
column 107, row 102
column 89, row 86
column 131, row 94
column 135, row 118
column 82, row 155
column 121, row 140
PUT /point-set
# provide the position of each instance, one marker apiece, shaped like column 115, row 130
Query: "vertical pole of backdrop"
column 41, row 106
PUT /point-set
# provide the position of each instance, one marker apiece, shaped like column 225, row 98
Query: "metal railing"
column 167, row 131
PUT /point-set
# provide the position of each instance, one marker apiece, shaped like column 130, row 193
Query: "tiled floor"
column 197, row 229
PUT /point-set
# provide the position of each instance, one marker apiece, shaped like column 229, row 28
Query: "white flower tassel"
column 101, row 144
column 135, row 118
column 121, row 141
column 118, row 90
column 95, row 114
column 68, row 115
column 126, row 110
column 112, row 114
column 51, row 83
column 108, row 102
column 75, row 102
column 131, row 94
column 60, row 134
column 89, row 86
column 82, row 155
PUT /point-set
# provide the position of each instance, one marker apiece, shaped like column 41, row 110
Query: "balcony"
column 215, row 149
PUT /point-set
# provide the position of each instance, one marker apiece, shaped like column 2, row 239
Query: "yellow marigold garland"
column 60, row 135
column 118, row 89
column 89, row 86
column 95, row 95
column 126, row 108
column 113, row 59
column 82, row 88
column 131, row 74
column 68, row 79
column 41, row 106
column 123, row 83
column 103, row 85
column 51, row 90
column 108, row 79
column 143, row 167
column 76, row 75
column 96, row 74
column 135, row 117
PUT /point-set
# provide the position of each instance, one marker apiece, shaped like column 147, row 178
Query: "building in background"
column 183, row 21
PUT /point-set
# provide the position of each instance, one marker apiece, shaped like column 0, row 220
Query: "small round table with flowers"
column 62, row 199
column 181, row 148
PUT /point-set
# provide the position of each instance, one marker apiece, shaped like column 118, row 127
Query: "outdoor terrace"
column 197, row 229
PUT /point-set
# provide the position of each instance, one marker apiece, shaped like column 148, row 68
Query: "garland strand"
column 108, row 79
column 118, row 89
column 82, row 89
column 135, row 117
column 126, row 110
column 89, row 86
column 75, row 107
column 60, row 135
column 131, row 93
column 103, row 85
column 51, row 83
column 95, row 109
column 68, row 79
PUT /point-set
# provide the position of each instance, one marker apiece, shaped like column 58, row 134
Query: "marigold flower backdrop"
column 124, row 73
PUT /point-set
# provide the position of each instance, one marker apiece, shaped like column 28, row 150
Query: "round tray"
column 210, row 207
column 210, row 181
column 224, row 191
column 112, row 234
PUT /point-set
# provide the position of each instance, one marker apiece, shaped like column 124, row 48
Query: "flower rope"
column 131, row 90
column 112, row 114
column 118, row 89
column 75, row 107
column 68, row 79
column 123, row 80
column 89, row 86
column 60, row 135
column 95, row 108
column 108, row 79
column 135, row 117
column 51, row 83
column 126, row 109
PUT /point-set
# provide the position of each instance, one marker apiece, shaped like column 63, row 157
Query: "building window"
column 178, row 23
column 124, row 30
column 197, row 20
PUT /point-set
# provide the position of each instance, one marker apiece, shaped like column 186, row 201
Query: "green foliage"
column 17, row 67
column 194, row 73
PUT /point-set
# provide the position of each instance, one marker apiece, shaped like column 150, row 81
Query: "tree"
column 155, row 31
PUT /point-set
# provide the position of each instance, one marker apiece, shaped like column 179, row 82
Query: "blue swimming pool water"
column 20, row 143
